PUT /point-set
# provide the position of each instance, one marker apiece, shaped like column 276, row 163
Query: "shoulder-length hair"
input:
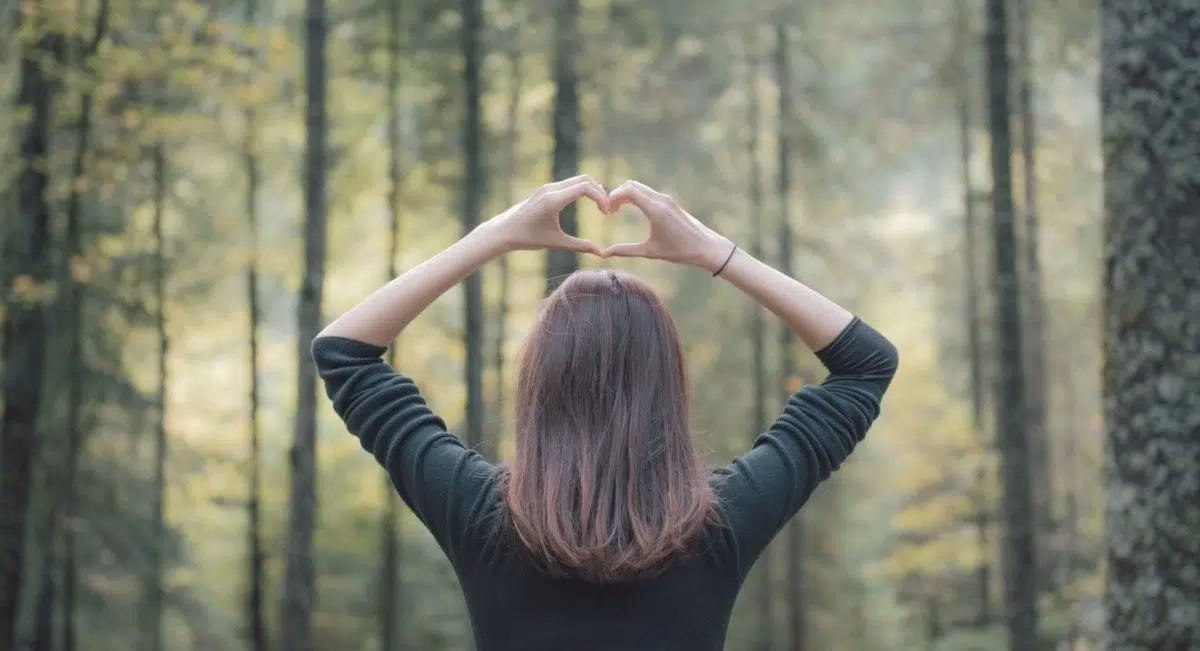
column 606, row 484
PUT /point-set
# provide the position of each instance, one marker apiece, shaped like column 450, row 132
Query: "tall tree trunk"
column 389, row 584
column 511, row 146
column 474, row 189
column 797, row 606
column 1036, row 382
column 256, row 625
column 567, row 129
column 1151, row 124
column 1071, row 475
column 608, row 112
column 299, row 581
column 68, row 515
column 765, row 632
column 1011, row 434
column 43, row 638
column 23, row 336
column 973, row 317
column 151, row 625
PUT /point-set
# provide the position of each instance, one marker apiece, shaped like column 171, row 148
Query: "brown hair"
column 606, row 484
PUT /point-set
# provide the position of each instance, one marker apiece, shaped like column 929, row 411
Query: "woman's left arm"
column 446, row 485
column 530, row 225
column 380, row 317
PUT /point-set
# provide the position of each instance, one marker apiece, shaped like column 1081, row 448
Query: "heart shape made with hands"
column 674, row 235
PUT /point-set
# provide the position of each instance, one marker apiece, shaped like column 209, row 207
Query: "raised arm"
column 820, row 425
column 445, row 484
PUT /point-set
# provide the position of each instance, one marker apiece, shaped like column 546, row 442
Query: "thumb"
column 579, row 244
column 626, row 250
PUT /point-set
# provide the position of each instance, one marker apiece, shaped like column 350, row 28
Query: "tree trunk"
column 23, row 336
column 151, row 625
column 798, row 611
column 511, row 145
column 608, row 112
column 1035, row 311
column 765, row 632
column 474, row 190
column 567, row 130
column 973, row 317
column 389, row 584
column 1012, row 437
column 67, row 516
column 1151, row 124
column 299, row 581
column 256, row 625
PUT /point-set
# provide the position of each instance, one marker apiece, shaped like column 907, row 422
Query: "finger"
column 558, row 199
column 565, row 183
column 632, row 194
column 626, row 250
column 651, row 192
column 572, row 243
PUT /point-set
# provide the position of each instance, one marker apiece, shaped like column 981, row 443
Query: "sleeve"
column 817, row 431
column 446, row 485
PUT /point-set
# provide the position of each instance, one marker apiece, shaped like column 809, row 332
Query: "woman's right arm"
column 815, row 319
column 820, row 425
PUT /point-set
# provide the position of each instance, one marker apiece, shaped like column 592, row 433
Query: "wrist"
column 714, row 253
column 489, row 239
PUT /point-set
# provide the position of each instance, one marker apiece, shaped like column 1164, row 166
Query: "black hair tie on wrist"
column 726, row 263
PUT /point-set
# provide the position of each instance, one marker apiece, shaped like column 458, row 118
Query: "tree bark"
column 299, row 582
column 1151, row 124
column 567, row 130
column 1011, row 433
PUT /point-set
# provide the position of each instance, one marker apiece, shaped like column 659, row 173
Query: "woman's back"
column 604, row 532
column 514, row 603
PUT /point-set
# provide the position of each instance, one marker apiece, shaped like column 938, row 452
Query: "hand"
column 675, row 236
column 533, row 224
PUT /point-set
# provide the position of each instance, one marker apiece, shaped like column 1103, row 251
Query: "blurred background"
column 193, row 188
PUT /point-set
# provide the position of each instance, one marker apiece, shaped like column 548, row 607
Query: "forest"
column 191, row 189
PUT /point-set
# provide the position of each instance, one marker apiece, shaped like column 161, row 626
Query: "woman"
column 604, row 533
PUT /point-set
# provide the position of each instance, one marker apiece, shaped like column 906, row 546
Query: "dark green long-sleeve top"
column 513, row 606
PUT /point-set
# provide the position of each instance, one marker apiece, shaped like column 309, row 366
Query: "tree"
column 73, row 298
column 151, row 625
column 474, row 190
column 798, row 611
column 513, row 132
column 758, row 411
column 299, row 580
column 1151, row 124
column 567, row 129
column 1011, row 433
column 1034, row 308
column 972, row 289
column 389, row 584
column 256, row 625
column 23, row 336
